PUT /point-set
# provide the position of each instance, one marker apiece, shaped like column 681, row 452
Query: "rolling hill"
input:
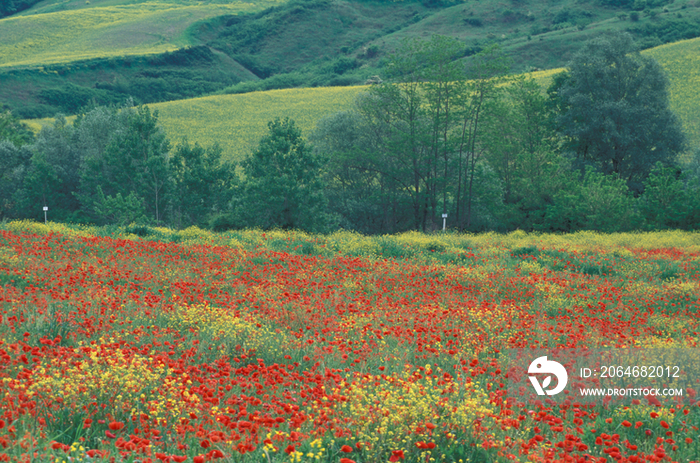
column 236, row 122
column 219, row 118
column 60, row 55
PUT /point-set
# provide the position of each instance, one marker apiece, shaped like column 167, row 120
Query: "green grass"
column 295, row 43
column 681, row 61
column 41, row 36
column 236, row 122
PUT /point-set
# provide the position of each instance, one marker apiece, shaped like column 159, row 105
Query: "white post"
column 45, row 220
column 444, row 221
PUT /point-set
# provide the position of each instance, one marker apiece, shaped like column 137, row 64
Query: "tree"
column 134, row 160
column 202, row 184
column 53, row 174
column 595, row 202
column 667, row 202
column 358, row 193
column 412, row 147
column 283, row 182
column 14, row 162
column 13, row 130
column 487, row 69
column 521, row 147
column 614, row 110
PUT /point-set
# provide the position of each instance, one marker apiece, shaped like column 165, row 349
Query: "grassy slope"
column 237, row 121
column 681, row 61
column 43, row 35
column 307, row 38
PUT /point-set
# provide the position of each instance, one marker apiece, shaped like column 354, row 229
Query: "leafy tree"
column 53, row 174
column 595, row 202
column 118, row 209
column 357, row 191
column 486, row 72
column 14, row 162
column 134, row 160
column 667, row 201
column 615, row 114
column 396, row 113
column 411, row 148
column 13, row 130
column 521, row 147
column 201, row 183
column 283, row 185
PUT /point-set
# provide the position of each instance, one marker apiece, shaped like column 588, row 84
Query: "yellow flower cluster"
column 231, row 334
column 399, row 410
column 104, row 375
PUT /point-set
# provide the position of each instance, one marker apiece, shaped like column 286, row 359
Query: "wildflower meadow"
column 145, row 344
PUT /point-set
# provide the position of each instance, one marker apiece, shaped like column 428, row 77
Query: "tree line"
column 598, row 150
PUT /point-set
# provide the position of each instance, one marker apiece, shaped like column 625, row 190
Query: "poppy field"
column 147, row 344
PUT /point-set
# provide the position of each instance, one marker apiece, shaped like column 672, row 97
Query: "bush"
column 600, row 202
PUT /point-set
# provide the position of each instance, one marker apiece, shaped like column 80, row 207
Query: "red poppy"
column 116, row 425
column 346, row 449
column 396, row 455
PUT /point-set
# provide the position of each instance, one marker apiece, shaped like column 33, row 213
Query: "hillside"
column 236, row 122
column 113, row 48
column 210, row 119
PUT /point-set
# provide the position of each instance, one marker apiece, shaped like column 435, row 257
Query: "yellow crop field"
column 681, row 60
column 237, row 122
column 98, row 32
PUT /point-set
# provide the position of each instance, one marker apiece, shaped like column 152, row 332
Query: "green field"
column 49, row 37
column 237, row 122
column 681, row 60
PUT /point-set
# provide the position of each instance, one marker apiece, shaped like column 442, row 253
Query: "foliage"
column 615, row 113
column 13, row 164
column 596, row 202
column 52, row 175
column 668, row 201
column 202, row 184
column 10, row 7
column 283, row 183
column 521, row 147
column 119, row 210
column 414, row 144
column 13, row 130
